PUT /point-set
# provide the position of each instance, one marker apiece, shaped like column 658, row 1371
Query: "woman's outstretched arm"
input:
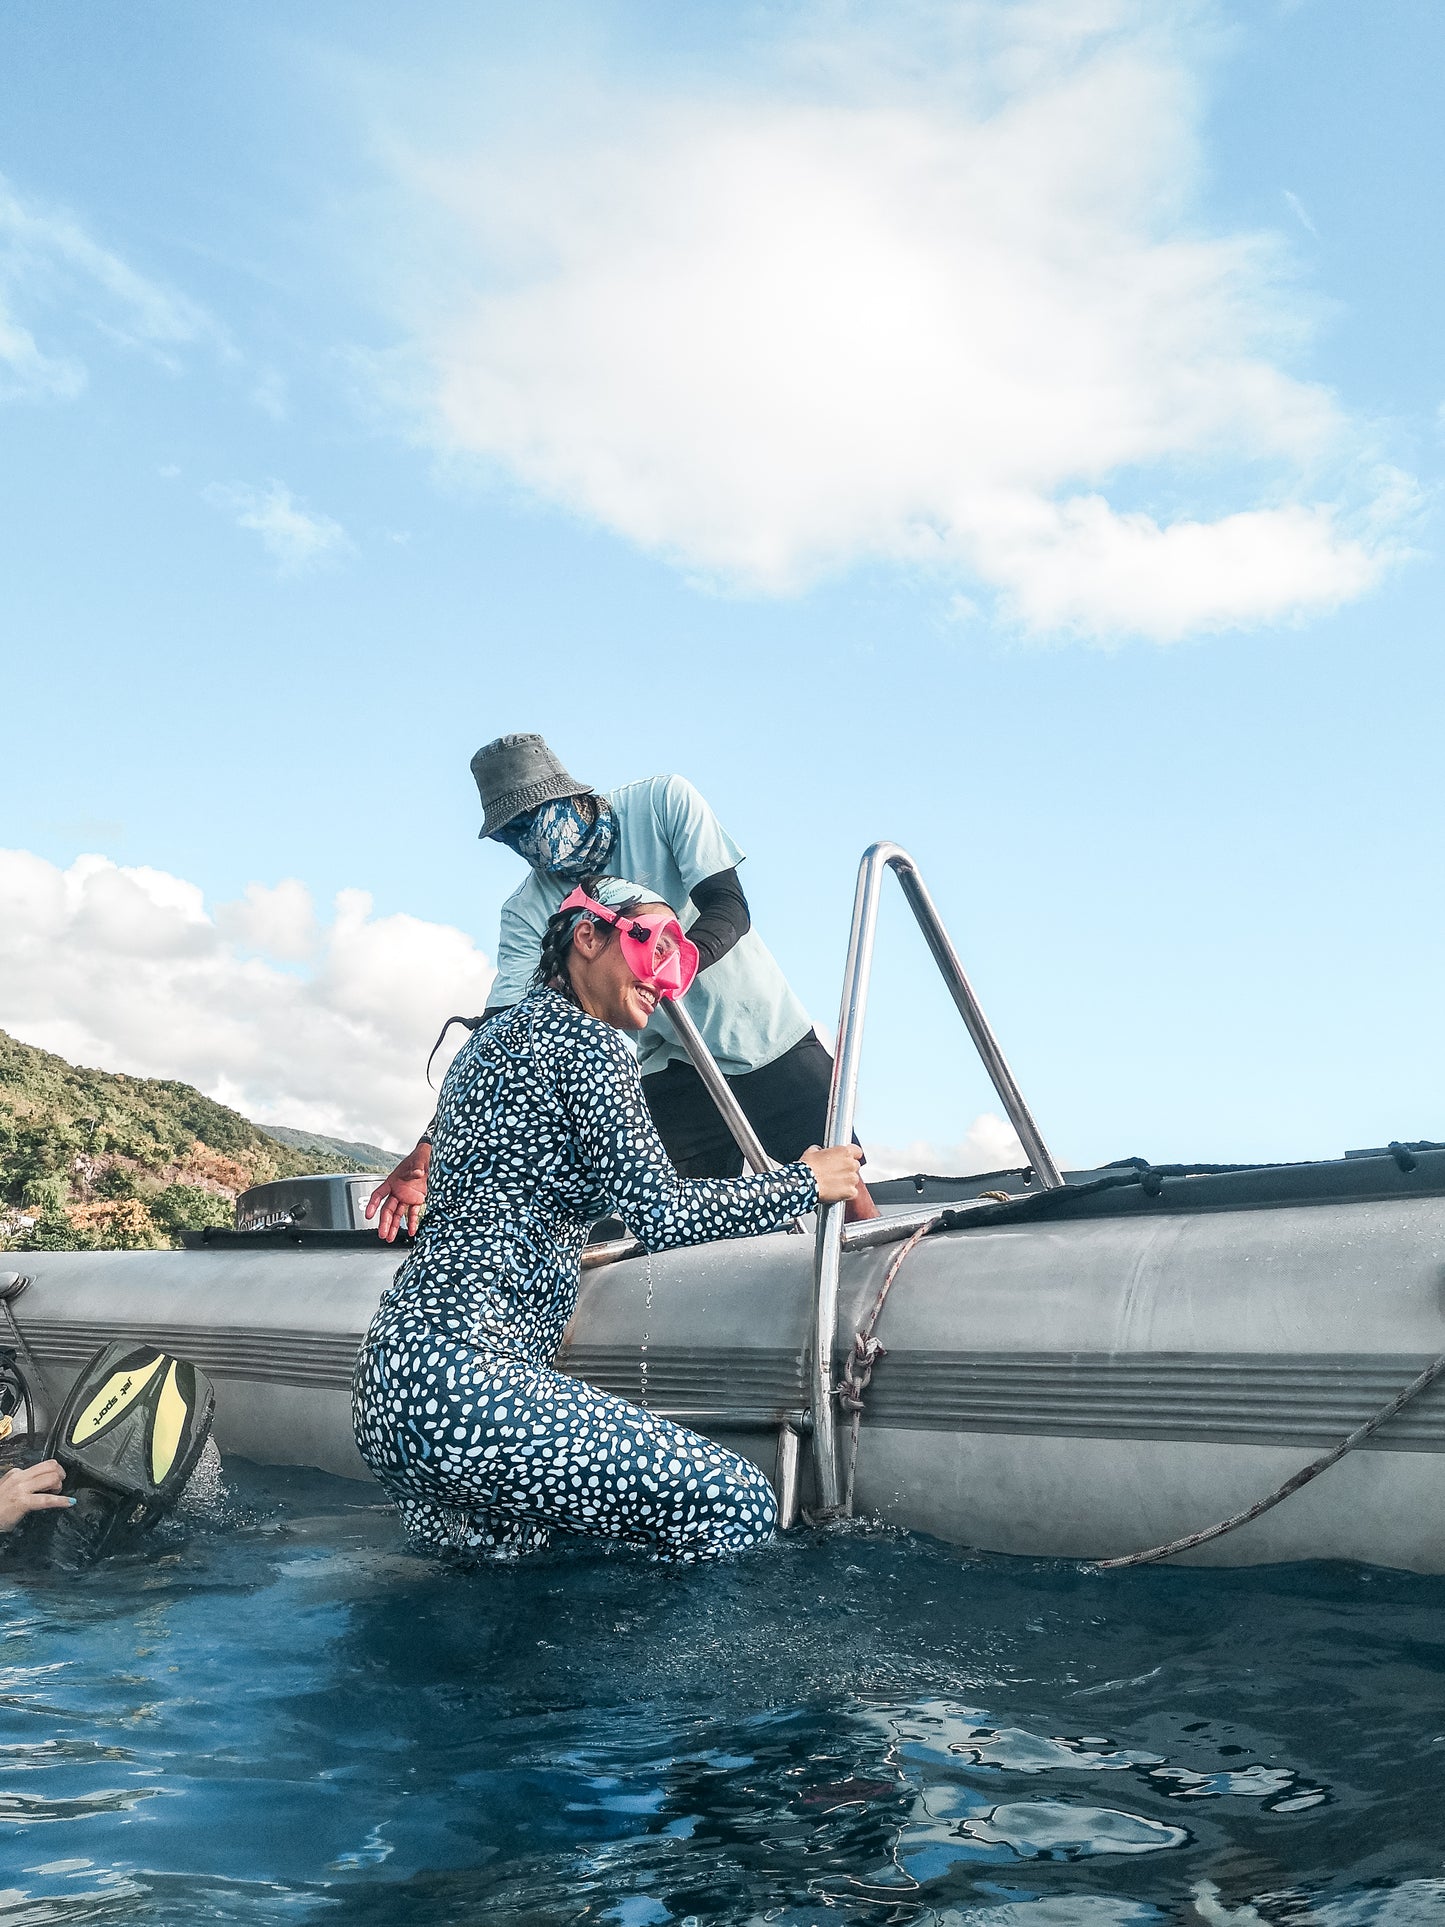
column 598, row 1081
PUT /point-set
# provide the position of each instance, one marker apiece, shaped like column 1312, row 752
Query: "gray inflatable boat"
column 1075, row 1368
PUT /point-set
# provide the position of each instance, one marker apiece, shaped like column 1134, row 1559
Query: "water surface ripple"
column 279, row 1716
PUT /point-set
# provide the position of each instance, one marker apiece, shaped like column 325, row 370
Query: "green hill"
column 353, row 1154
column 95, row 1158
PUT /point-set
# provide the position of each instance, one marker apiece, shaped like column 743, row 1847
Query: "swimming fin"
column 129, row 1435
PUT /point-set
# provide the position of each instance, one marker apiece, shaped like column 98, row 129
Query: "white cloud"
column 989, row 1144
column 50, row 267
column 1081, row 566
column 27, row 374
column 937, row 294
column 127, row 969
column 295, row 538
column 278, row 921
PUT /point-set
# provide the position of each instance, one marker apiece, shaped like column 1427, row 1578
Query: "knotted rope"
column 867, row 1350
column 858, row 1372
column 1300, row 1478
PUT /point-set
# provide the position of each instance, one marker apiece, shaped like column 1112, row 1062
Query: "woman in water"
column 542, row 1128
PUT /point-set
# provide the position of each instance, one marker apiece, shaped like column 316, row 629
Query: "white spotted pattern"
column 542, row 1127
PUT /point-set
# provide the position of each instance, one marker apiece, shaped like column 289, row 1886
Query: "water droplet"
column 642, row 1358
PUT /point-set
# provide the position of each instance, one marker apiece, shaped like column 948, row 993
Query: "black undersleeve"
column 722, row 916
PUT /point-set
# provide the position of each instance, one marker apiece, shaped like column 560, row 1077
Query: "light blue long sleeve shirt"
column 667, row 841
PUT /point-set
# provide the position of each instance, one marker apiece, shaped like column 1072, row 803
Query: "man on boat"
column 662, row 833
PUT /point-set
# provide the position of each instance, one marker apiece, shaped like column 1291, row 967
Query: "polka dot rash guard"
column 542, row 1128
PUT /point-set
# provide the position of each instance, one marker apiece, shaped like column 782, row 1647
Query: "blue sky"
column 1011, row 429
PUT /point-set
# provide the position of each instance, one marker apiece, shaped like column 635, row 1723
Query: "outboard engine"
column 328, row 1201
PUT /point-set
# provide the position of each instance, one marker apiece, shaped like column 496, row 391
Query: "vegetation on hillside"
column 95, row 1158
column 342, row 1152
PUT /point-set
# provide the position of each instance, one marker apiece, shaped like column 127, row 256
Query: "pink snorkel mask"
column 654, row 948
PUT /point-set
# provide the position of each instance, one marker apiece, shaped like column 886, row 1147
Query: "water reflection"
column 854, row 1727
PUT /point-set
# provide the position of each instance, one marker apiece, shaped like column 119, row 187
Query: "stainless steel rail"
column 720, row 1091
column 718, row 1088
column 611, row 1251
column 843, row 1103
column 868, row 1233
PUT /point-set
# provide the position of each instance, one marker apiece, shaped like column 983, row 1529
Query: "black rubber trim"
column 1130, row 1188
column 222, row 1238
column 1160, row 1189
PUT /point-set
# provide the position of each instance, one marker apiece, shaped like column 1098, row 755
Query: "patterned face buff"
column 557, row 839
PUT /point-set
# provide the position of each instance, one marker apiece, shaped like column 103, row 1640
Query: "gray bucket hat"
column 516, row 773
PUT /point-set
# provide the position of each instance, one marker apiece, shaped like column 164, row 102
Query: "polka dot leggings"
column 483, row 1453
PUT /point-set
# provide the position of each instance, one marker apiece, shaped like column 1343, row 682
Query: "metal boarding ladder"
column 833, row 1237
column 718, row 1089
column 843, row 1102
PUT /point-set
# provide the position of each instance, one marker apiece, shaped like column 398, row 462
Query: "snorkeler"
column 542, row 1128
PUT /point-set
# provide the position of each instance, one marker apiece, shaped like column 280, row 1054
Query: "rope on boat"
column 858, row 1372
column 1301, row 1478
column 866, row 1352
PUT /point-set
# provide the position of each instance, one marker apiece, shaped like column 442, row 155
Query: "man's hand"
column 861, row 1206
column 401, row 1197
column 31, row 1488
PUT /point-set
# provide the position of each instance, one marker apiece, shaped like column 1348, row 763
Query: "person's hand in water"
column 836, row 1170
column 401, row 1196
column 31, row 1488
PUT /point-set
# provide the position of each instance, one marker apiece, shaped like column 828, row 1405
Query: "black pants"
column 786, row 1102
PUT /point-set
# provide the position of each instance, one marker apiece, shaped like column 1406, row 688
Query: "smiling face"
column 605, row 983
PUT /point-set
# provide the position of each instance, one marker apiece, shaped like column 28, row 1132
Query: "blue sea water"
column 278, row 1715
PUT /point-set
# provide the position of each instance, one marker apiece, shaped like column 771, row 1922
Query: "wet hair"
column 552, row 972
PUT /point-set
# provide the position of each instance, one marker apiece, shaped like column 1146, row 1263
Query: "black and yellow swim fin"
column 129, row 1434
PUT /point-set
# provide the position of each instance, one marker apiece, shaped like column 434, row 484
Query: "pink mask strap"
column 579, row 900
